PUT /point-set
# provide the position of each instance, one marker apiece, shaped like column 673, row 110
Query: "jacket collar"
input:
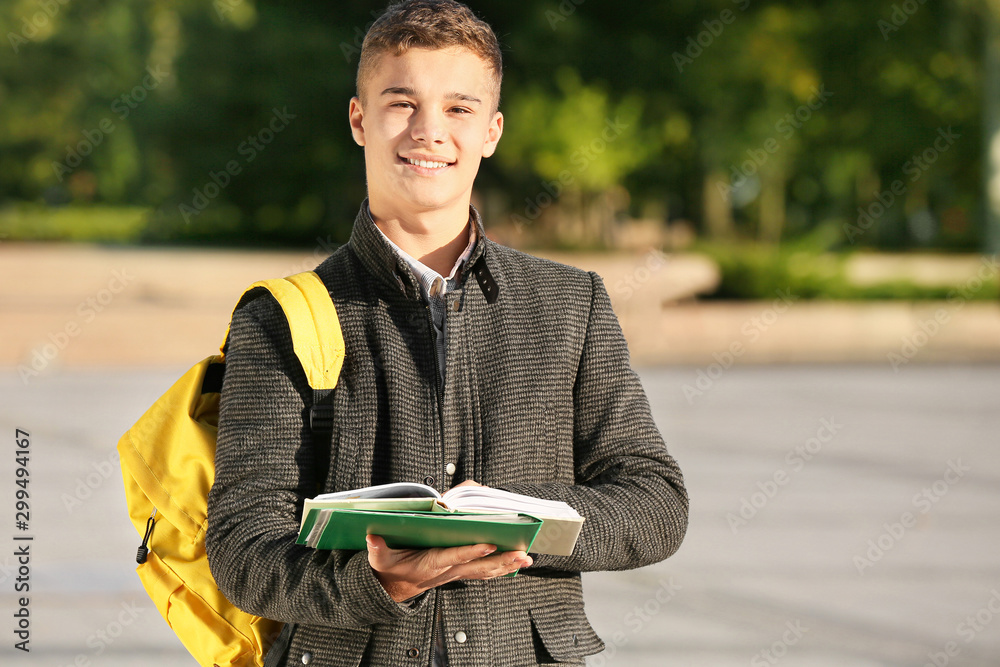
column 371, row 247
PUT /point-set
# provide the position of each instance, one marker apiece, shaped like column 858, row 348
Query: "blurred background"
column 795, row 207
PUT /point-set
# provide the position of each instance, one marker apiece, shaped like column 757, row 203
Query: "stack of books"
column 411, row 515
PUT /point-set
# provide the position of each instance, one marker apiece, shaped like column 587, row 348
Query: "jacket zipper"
column 439, row 385
column 434, row 630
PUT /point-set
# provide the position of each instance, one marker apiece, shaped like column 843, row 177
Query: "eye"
column 402, row 105
column 461, row 110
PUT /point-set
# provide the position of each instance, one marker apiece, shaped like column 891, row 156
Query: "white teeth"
column 426, row 164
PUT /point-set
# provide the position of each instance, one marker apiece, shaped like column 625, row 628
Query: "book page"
column 395, row 490
column 506, row 518
column 496, row 500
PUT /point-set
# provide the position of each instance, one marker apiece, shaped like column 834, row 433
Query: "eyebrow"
column 463, row 97
column 404, row 90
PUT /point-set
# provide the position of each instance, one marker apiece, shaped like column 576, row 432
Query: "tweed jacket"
column 538, row 398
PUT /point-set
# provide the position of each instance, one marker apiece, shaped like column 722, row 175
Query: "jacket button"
column 307, row 657
column 412, row 653
column 429, row 480
column 575, row 640
column 460, row 637
column 450, row 468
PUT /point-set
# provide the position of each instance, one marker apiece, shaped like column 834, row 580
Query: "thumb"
column 378, row 552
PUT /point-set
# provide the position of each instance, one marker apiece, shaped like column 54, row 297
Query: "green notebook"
column 334, row 528
column 561, row 524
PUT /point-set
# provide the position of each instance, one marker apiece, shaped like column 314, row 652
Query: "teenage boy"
column 466, row 362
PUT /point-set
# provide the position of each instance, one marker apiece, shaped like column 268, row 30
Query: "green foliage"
column 578, row 134
column 753, row 271
column 697, row 88
column 105, row 224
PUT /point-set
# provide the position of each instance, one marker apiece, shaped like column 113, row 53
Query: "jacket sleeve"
column 629, row 489
column 264, row 469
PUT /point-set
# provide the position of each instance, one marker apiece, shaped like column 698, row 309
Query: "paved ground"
column 828, row 458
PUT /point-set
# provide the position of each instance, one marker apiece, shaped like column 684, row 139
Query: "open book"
column 412, row 515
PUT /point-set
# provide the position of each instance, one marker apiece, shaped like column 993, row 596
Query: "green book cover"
column 561, row 524
column 334, row 528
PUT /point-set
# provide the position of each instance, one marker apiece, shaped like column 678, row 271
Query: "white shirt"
column 435, row 287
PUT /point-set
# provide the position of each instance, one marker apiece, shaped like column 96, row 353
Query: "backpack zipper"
column 143, row 552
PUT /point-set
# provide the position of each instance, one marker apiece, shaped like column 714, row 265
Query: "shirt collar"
column 373, row 251
column 432, row 283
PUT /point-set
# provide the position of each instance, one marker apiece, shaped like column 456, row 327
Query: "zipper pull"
column 140, row 556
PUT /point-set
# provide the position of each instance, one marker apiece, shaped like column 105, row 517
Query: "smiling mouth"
column 426, row 164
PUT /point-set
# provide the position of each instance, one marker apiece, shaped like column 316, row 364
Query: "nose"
column 427, row 126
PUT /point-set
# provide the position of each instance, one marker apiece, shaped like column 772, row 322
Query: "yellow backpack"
column 168, row 464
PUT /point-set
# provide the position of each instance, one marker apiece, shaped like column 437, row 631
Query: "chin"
column 429, row 200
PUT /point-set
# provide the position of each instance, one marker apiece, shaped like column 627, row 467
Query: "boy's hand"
column 405, row 573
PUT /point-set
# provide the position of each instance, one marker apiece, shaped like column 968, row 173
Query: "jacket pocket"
column 328, row 647
column 565, row 634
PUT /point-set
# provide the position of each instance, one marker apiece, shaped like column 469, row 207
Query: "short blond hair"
column 433, row 24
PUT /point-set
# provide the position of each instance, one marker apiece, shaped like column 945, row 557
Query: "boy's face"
column 430, row 105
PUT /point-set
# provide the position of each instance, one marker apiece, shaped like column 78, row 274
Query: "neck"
column 436, row 238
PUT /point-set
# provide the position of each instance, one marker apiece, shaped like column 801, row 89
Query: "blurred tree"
column 228, row 117
column 582, row 145
column 68, row 74
column 991, row 122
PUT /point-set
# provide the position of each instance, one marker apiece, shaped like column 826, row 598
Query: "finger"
column 451, row 556
column 518, row 559
column 469, row 482
column 493, row 566
column 380, row 556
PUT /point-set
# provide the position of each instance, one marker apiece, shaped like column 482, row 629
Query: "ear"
column 357, row 116
column 493, row 133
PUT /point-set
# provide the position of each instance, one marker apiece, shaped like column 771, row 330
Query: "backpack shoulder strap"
column 318, row 342
column 312, row 320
